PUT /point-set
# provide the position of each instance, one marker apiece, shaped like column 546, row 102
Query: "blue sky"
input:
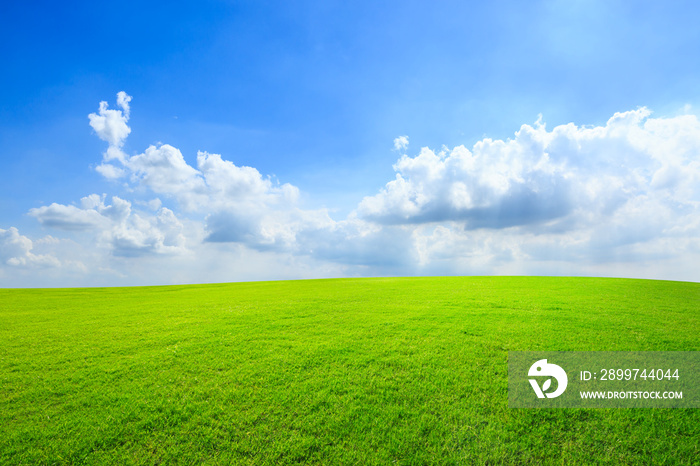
column 332, row 139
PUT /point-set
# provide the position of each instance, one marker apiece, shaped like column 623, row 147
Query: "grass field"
column 348, row 371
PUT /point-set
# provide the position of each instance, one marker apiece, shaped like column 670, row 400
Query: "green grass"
column 350, row 371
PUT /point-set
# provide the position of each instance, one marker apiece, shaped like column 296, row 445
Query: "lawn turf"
column 343, row 371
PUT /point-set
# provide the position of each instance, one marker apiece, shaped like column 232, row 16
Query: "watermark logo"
column 542, row 368
column 603, row 379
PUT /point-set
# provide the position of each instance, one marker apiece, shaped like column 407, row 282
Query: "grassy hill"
column 348, row 371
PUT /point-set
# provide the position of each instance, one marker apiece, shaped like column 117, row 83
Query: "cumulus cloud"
column 164, row 171
column 16, row 251
column 439, row 187
column 626, row 192
column 265, row 230
column 67, row 217
column 238, row 202
column 243, row 206
column 401, row 143
column 239, row 205
column 540, row 176
column 117, row 227
column 215, row 183
column 109, row 171
column 160, row 234
column 111, row 125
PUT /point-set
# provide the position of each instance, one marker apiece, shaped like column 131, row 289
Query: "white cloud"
column 559, row 201
column 229, row 183
column 541, row 176
column 16, row 251
column 161, row 234
column 401, row 143
column 154, row 204
column 240, row 205
column 164, row 171
column 110, row 171
column 66, row 217
column 110, row 125
column 116, row 227
column 123, row 100
column 245, row 207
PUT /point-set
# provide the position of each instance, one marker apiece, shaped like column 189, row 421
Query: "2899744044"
column 631, row 374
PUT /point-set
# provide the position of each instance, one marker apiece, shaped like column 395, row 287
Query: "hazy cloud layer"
column 619, row 199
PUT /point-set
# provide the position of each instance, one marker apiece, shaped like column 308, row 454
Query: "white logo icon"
column 542, row 368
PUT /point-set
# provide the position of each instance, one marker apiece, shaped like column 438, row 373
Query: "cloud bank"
column 627, row 192
column 619, row 199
